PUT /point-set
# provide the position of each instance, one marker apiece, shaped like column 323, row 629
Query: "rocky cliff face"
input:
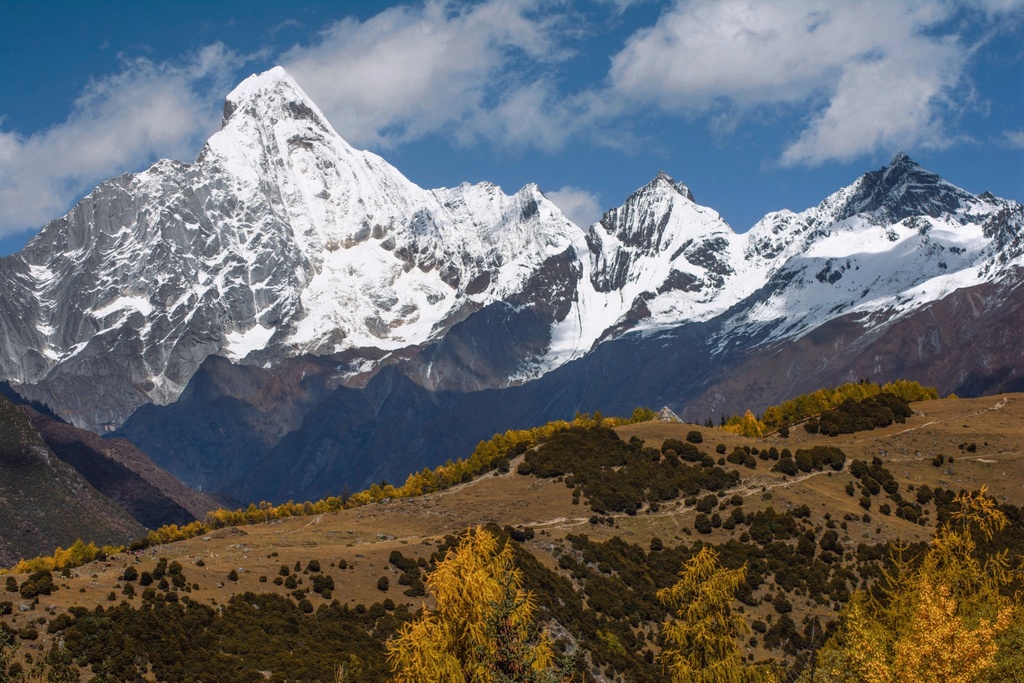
column 280, row 239
column 284, row 277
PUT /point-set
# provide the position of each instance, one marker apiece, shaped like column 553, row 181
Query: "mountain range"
column 287, row 315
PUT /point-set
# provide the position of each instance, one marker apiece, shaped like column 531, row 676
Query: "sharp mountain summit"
column 288, row 315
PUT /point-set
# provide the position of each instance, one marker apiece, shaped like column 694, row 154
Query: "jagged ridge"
column 282, row 240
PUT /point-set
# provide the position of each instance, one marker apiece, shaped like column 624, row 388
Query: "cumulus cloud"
column 1014, row 138
column 580, row 206
column 873, row 74
column 415, row 70
column 859, row 77
column 119, row 122
column 997, row 7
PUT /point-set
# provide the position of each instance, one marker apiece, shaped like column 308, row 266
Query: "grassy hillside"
column 44, row 501
column 599, row 526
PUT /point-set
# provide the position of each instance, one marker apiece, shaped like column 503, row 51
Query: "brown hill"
column 123, row 473
column 45, row 502
column 981, row 442
column 59, row 483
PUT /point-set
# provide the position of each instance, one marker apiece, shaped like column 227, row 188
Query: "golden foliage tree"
column 701, row 638
column 944, row 622
column 806, row 405
column 482, row 629
column 748, row 425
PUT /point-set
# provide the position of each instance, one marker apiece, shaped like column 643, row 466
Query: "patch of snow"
column 241, row 344
column 133, row 303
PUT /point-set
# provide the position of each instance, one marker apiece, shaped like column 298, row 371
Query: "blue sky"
column 757, row 106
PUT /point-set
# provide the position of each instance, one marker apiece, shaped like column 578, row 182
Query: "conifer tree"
column 60, row 666
column 947, row 621
column 8, row 648
column 701, row 638
column 483, row 618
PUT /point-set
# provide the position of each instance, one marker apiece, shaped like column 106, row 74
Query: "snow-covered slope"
column 661, row 258
column 893, row 241
column 282, row 240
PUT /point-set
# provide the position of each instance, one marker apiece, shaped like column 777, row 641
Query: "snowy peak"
column 281, row 240
column 896, row 240
column 665, row 178
column 645, row 223
column 660, row 235
column 272, row 91
column 900, row 190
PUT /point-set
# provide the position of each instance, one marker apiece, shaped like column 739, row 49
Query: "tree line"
column 796, row 410
column 489, row 455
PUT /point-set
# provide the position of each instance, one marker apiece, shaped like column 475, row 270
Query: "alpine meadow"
column 278, row 412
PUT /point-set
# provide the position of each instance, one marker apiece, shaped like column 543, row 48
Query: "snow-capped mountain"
column 281, row 240
column 895, row 240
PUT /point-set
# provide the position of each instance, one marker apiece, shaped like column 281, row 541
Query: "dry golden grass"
column 364, row 537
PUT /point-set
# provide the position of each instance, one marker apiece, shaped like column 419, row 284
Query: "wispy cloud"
column 1014, row 138
column 580, row 206
column 867, row 75
column 144, row 112
column 468, row 71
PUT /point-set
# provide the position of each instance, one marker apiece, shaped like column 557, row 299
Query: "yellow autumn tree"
column 482, row 629
column 944, row 622
column 748, row 425
column 701, row 637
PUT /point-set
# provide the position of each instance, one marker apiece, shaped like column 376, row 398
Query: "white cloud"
column 1014, row 138
column 622, row 5
column 119, row 122
column 874, row 74
column 580, row 206
column 995, row 7
column 881, row 105
column 412, row 71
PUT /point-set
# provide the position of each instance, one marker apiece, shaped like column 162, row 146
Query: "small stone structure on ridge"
column 666, row 415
